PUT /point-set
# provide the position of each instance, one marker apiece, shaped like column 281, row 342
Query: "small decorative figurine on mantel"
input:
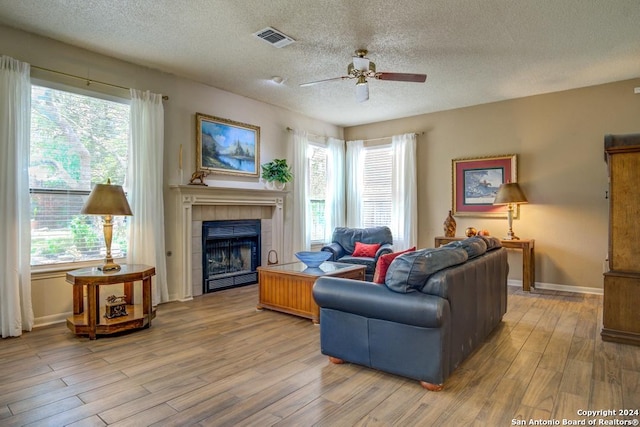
column 198, row 176
column 450, row 226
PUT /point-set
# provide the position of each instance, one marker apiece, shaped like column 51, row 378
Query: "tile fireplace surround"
column 201, row 203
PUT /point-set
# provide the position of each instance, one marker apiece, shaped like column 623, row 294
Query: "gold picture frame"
column 226, row 146
column 476, row 182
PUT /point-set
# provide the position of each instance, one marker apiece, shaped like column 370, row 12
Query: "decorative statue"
column 198, row 176
column 449, row 226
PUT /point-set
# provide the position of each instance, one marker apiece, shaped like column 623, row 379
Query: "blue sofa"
column 343, row 243
column 435, row 308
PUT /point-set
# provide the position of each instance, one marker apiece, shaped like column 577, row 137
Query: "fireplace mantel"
column 194, row 195
column 206, row 195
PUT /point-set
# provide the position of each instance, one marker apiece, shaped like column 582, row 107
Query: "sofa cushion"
column 383, row 265
column 410, row 271
column 474, row 246
column 360, row 260
column 492, row 242
column 365, row 250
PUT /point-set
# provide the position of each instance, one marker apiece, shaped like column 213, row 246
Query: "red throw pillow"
column 363, row 249
column 383, row 265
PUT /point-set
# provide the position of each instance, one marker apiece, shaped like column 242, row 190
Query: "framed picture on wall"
column 227, row 147
column 476, row 182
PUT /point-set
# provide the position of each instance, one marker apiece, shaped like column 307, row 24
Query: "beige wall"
column 51, row 295
column 558, row 139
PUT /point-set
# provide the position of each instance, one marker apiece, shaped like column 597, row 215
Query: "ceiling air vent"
column 274, row 37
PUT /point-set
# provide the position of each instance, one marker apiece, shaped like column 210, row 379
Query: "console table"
column 89, row 321
column 528, row 257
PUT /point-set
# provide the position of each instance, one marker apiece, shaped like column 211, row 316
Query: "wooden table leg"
column 93, row 306
column 146, row 298
column 128, row 292
column 527, row 268
column 78, row 299
column 533, row 267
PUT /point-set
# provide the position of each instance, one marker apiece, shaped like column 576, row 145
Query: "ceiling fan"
column 362, row 69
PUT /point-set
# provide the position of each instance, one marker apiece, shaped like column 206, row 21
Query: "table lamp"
column 510, row 194
column 107, row 200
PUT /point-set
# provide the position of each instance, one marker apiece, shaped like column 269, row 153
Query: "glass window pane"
column 317, row 191
column 76, row 141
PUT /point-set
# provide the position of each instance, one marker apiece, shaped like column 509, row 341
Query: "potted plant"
column 276, row 173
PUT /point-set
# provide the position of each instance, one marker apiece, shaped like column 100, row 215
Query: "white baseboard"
column 562, row 288
column 39, row 322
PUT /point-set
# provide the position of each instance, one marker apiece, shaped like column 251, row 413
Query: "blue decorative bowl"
column 313, row 259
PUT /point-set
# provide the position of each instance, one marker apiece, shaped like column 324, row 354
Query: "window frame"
column 72, row 84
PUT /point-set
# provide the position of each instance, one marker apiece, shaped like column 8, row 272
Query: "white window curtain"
column 16, row 312
column 335, row 201
column 354, row 172
column 300, row 237
column 404, row 191
column 145, row 183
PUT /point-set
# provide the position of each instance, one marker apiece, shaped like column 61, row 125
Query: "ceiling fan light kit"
column 361, row 68
column 362, row 89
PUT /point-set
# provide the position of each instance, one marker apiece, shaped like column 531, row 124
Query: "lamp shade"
column 510, row 193
column 106, row 199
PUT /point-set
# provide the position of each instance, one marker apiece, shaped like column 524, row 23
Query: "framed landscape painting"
column 476, row 182
column 227, row 147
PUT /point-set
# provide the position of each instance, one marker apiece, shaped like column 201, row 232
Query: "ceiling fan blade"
column 325, row 80
column 402, row 77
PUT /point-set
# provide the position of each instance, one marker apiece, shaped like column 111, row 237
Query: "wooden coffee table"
column 288, row 287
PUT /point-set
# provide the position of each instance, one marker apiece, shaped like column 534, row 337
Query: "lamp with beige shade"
column 107, row 200
column 510, row 194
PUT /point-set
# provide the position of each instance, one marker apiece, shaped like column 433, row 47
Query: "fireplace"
column 230, row 253
column 197, row 204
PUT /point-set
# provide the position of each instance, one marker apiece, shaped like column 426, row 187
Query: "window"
column 318, row 191
column 376, row 189
column 76, row 141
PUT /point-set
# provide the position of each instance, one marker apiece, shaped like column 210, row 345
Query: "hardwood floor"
column 217, row 361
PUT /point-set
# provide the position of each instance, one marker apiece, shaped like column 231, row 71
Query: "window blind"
column 376, row 195
column 317, row 191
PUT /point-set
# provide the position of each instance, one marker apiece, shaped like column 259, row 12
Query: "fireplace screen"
column 230, row 253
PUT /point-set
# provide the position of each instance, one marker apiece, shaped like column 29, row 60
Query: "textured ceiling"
column 473, row 51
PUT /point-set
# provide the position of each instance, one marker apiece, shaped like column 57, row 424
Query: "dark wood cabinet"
column 621, row 316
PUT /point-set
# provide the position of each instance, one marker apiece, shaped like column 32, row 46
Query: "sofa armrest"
column 335, row 248
column 378, row 302
column 386, row 248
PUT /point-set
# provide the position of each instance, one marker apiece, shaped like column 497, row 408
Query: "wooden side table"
column 89, row 321
column 528, row 257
